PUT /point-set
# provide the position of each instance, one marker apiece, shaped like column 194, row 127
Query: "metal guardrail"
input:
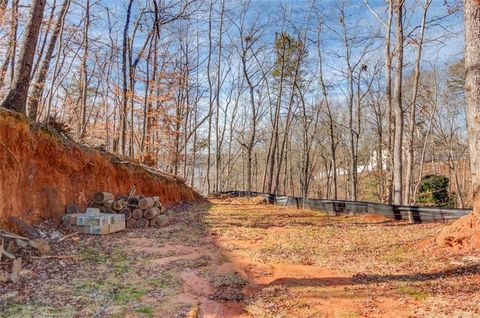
column 395, row 212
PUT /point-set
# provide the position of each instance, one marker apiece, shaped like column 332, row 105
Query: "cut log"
column 104, row 209
column 40, row 245
column 161, row 220
column 151, row 213
column 131, row 223
column 8, row 235
column 72, row 208
column 127, row 213
column 133, row 201
column 137, row 214
column 132, row 206
column 108, row 204
column 8, row 254
column 146, row 203
column 101, row 197
column 156, row 202
column 143, row 222
column 26, row 229
column 68, row 236
column 118, row 205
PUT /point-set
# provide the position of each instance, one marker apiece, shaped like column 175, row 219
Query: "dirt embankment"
column 41, row 172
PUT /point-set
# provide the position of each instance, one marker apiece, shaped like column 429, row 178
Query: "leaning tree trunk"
column 17, row 96
column 472, row 93
column 39, row 85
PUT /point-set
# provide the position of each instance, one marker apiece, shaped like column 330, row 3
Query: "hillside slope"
column 41, row 172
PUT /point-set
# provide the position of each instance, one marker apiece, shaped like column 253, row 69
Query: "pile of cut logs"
column 140, row 211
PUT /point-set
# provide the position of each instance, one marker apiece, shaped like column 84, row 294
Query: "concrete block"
column 100, row 223
column 92, row 211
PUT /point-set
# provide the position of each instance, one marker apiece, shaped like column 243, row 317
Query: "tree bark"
column 123, row 116
column 218, row 145
column 397, row 106
column 39, row 85
column 17, row 96
column 10, row 57
column 84, row 75
column 472, row 93
column 413, row 109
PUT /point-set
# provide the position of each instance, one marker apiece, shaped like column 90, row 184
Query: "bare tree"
column 123, row 115
column 17, row 96
column 413, row 108
column 397, row 106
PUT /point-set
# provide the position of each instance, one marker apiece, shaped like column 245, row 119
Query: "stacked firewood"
column 140, row 211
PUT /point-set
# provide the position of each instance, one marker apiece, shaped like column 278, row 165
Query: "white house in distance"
column 372, row 165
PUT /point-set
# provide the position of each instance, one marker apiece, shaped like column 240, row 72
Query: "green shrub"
column 433, row 190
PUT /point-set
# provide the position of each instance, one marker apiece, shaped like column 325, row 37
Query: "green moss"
column 128, row 294
column 147, row 310
column 412, row 292
column 93, row 255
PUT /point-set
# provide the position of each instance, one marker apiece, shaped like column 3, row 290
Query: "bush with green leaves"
column 433, row 190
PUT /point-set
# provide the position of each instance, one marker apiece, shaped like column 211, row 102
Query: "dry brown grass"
column 380, row 256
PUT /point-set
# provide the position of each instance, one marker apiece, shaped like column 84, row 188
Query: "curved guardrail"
column 395, row 212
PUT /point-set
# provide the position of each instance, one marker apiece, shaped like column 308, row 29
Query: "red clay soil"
column 462, row 236
column 42, row 171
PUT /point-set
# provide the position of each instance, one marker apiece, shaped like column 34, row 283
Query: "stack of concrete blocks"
column 94, row 222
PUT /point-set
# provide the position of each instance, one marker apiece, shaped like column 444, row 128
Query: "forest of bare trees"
column 298, row 98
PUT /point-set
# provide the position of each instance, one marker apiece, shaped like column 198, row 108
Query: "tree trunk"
column 218, row 145
column 17, row 96
column 39, row 85
column 210, row 97
column 10, row 58
column 123, row 116
column 388, row 96
column 276, row 122
column 397, row 104
column 472, row 93
column 84, row 76
column 413, row 109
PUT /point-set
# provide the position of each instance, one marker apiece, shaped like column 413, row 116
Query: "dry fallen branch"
column 68, row 236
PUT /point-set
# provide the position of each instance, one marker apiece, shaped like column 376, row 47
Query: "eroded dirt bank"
column 41, row 172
